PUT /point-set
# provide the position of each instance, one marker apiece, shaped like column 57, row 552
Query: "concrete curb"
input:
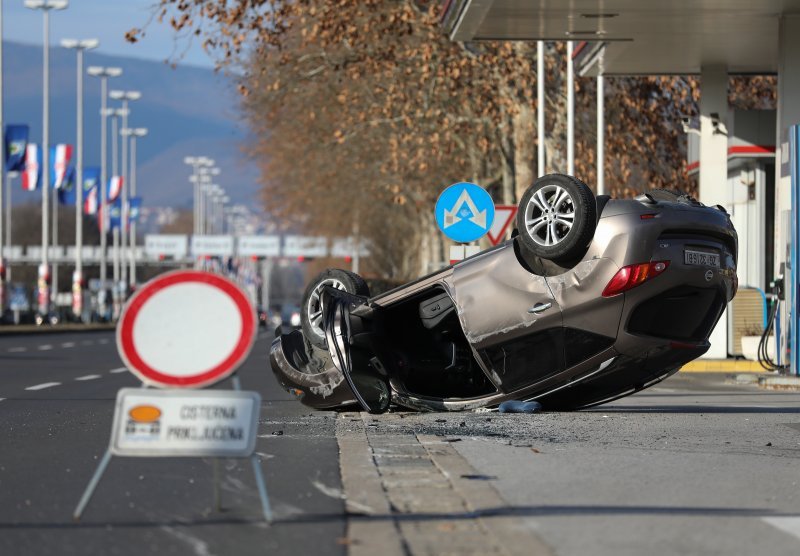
column 11, row 330
column 788, row 383
column 722, row 366
column 410, row 493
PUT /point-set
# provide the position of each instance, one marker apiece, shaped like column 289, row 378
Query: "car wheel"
column 311, row 313
column 557, row 217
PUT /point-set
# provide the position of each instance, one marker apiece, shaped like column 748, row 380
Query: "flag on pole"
column 33, row 167
column 66, row 193
column 114, row 188
column 91, row 176
column 115, row 214
column 134, row 206
column 16, row 140
column 90, row 201
column 60, row 156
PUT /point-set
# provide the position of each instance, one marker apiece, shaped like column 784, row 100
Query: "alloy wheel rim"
column 549, row 215
column 314, row 309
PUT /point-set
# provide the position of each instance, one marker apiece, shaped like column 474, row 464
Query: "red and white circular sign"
column 186, row 329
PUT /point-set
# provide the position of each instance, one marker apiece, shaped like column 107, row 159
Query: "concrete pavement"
column 692, row 466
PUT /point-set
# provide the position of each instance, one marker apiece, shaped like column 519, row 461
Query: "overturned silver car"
column 591, row 300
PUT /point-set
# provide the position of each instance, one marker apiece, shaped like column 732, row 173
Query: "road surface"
column 694, row 465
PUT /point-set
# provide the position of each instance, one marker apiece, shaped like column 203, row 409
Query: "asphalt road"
column 57, row 396
column 691, row 466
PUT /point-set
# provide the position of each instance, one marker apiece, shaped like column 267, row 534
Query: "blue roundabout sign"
column 464, row 212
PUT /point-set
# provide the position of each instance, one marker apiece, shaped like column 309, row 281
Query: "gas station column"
column 788, row 115
column 713, row 135
column 787, row 193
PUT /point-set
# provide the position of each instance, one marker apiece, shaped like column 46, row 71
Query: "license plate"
column 701, row 258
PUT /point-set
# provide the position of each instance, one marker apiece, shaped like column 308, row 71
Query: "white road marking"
column 103, row 341
column 789, row 525
column 45, row 347
column 17, row 349
column 1, row 399
column 120, row 370
column 88, row 377
column 43, row 386
column 68, row 344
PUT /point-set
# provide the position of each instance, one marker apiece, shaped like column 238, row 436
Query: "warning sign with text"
column 213, row 423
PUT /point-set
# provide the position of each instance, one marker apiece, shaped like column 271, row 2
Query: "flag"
column 134, row 206
column 16, row 139
column 91, row 177
column 90, row 201
column 114, row 188
column 33, row 167
column 60, row 156
column 66, row 193
column 115, row 214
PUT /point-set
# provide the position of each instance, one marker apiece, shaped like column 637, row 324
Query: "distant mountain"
column 187, row 110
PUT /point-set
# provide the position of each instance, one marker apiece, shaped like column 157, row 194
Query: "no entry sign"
column 186, row 329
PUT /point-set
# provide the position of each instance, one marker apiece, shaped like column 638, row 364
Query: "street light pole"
column 125, row 97
column 44, row 272
column 9, row 177
column 103, row 73
column 77, row 277
column 115, row 231
column 134, row 134
column 3, row 270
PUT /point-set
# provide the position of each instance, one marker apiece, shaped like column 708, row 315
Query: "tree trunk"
column 524, row 150
column 507, row 160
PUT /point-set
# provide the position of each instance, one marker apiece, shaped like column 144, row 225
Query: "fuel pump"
column 775, row 300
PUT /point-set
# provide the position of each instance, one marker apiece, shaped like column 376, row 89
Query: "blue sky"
column 107, row 20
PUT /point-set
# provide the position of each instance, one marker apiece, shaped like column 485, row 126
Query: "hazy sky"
column 107, row 20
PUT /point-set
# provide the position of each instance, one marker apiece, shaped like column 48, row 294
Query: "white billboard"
column 215, row 246
column 259, row 246
column 305, row 246
column 173, row 245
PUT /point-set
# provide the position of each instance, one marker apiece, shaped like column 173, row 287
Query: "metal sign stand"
column 254, row 460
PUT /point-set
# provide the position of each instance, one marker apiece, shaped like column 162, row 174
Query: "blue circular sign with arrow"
column 464, row 212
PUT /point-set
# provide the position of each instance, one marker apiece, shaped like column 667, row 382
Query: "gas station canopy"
column 643, row 37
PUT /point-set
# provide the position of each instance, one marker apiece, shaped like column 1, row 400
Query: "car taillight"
column 632, row 275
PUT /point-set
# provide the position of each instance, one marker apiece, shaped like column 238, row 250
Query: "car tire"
column 557, row 217
column 310, row 314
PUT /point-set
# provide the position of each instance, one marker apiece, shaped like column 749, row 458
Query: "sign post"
column 182, row 331
column 464, row 213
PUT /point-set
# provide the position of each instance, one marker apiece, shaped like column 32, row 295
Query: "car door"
column 510, row 317
column 351, row 346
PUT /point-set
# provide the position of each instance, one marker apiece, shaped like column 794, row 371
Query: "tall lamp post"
column 116, row 114
column 3, row 288
column 9, row 177
column 103, row 73
column 199, row 164
column 77, row 277
column 125, row 97
column 133, row 133
column 205, row 199
column 44, row 271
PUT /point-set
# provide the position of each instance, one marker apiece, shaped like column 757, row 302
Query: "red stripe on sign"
column 126, row 324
